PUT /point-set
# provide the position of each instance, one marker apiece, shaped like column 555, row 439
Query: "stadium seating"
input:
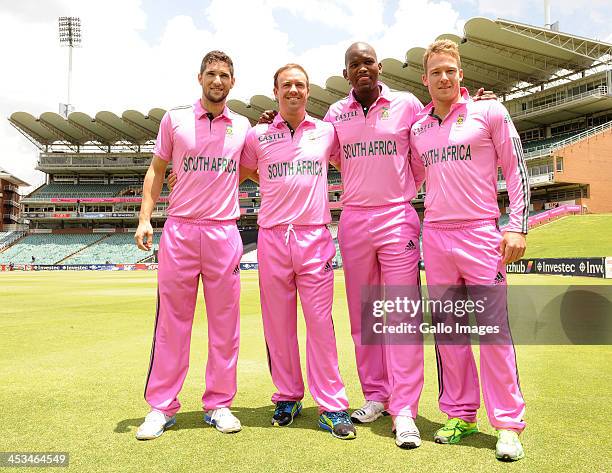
column 333, row 228
column 75, row 191
column 46, row 248
column 548, row 142
column 6, row 238
column 115, row 248
column 338, row 256
column 504, row 219
column 248, row 186
column 333, row 176
column 249, row 257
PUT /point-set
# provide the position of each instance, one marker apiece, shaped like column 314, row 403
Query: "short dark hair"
column 291, row 65
column 217, row 56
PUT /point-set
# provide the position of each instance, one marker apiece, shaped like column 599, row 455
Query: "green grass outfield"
column 75, row 352
column 571, row 237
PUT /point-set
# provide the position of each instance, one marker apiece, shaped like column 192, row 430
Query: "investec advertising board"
column 586, row 267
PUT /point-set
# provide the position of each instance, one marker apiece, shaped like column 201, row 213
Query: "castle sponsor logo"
column 449, row 153
column 271, row 137
column 207, row 163
column 345, row 117
column 419, row 130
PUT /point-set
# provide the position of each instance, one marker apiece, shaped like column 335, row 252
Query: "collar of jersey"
column 384, row 96
column 279, row 121
column 464, row 99
column 201, row 111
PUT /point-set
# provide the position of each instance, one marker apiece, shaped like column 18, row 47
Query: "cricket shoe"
column 454, row 430
column 285, row 412
column 508, row 447
column 406, row 433
column 338, row 424
column 223, row 420
column 154, row 425
column 369, row 412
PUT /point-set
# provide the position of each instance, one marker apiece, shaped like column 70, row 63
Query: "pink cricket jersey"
column 374, row 148
column 292, row 170
column 205, row 155
column 461, row 155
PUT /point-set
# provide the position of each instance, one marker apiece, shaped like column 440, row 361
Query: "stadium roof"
column 500, row 55
column 6, row 176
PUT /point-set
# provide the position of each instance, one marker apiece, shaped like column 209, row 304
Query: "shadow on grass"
column 259, row 417
column 427, row 429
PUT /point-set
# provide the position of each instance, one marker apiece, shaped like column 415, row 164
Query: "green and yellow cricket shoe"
column 508, row 447
column 339, row 424
column 454, row 430
column 285, row 412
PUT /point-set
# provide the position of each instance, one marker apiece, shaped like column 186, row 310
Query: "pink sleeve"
column 417, row 168
column 163, row 143
column 416, row 163
column 334, row 157
column 327, row 117
column 248, row 158
column 510, row 157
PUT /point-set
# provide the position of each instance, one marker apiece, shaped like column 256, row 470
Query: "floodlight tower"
column 70, row 36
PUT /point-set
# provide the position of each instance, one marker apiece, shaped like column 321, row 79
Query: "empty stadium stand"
column 7, row 238
column 248, row 186
column 47, row 248
column 114, row 248
column 76, row 191
column 535, row 145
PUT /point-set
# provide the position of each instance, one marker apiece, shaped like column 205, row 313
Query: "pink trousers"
column 189, row 251
column 298, row 260
column 468, row 254
column 380, row 247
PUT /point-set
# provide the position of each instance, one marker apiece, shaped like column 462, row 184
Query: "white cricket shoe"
column 508, row 447
column 406, row 433
column 154, row 425
column 369, row 412
column 223, row 420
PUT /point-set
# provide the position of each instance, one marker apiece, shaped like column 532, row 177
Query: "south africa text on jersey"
column 370, row 148
column 206, row 163
column 448, row 153
column 291, row 168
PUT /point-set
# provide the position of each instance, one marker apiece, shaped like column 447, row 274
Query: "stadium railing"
column 545, row 150
column 598, row 91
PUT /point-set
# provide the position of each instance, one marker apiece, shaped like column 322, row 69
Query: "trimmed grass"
column 75, row 351
column 572, row 236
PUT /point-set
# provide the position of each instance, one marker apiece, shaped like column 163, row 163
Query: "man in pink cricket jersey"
column 379, row 232
column 295, row 251
column 461, row 144
column 379, row 235
column 200, row 240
